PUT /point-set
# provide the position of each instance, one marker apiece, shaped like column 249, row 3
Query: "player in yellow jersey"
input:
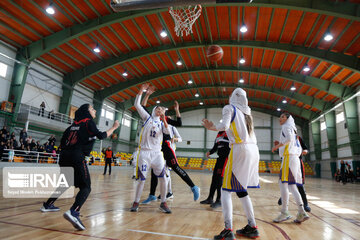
column 242, row 168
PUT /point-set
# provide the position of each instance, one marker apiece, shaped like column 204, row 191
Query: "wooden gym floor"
column 335, row 212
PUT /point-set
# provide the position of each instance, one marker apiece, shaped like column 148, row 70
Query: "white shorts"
column 291, row 170
column 150, row 159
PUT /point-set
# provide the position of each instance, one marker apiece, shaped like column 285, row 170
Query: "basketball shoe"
column 225, row 234
column 196, row 192
column 135, row 207
column 301, row 217
column 248, row 231
column 149, row 199
column 282, row 217
column 74, row 218
column 49, row 208
column 164, row 208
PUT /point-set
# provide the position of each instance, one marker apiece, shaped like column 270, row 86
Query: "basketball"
column 214, row 53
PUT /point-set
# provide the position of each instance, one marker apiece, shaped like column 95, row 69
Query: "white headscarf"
column 238, row 99
column 153, row 114
column 290, row 123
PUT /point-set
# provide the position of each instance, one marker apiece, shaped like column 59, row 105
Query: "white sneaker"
column 301, row 217
column 282, row 217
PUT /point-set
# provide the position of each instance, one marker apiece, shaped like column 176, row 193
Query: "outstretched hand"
column 176, row 105
column 151, row 89
column 143, row 87
column 208, row 124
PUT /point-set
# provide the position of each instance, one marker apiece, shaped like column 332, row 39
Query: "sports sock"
column 162, row 188
column 284, row 191
column 293, row 189
column 249, row 210
column 227, row 208
column 139, row 189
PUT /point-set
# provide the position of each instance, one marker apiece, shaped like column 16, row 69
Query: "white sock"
column 249, row 210
column 139, row 189
column 162, row 182
column 295, row 192
column 227, row 208
column 169, row 183
column 284, row 191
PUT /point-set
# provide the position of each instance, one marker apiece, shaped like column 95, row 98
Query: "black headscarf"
column 83, row 112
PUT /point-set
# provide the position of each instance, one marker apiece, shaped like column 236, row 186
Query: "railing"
column 12, row 155
column 24, row 108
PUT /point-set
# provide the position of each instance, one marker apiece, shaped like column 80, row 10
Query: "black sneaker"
column 74, row 218
column 248, row 231
column 159, row 197
column 164, row 208
column 169, row 195
column 216, row 204
column 206, row 201
column 307, row 208
column 225, row 234
column 49, row 208
column 279, row 202
column 135, row 207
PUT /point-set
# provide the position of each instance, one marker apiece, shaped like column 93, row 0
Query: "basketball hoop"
column 184, row 18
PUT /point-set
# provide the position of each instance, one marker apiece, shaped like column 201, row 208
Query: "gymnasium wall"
column 267, row 130
column 6, row 81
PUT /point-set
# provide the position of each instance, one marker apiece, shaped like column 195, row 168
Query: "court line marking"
column 166, row 234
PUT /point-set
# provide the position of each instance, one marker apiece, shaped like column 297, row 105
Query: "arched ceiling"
column 282, row 38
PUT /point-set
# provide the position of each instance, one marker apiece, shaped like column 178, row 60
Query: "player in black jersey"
column 169, row 155
column 221, row 146
column 76, row 143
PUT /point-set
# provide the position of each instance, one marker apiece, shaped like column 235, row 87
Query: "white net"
column 184, row 18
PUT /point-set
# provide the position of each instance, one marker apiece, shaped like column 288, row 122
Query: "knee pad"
column 241, row 194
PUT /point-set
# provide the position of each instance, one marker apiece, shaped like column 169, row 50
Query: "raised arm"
column 143, row 114
column 177, row 136
column 227, row 113
column 149, row 91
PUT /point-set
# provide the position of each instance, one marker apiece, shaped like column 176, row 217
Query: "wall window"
column 109, row 115
column 340, row 117
column 125, row 122
column 3, row 69
column 103, row 112
column 322, row 126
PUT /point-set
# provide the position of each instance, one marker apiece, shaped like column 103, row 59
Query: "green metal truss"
column 316, row 134
column 319, row 104
column 306, row 114
column 345, row 61
column 298, row 121
column 345, row 10
column 331, row 133
column 352, row 122
column 97, row 104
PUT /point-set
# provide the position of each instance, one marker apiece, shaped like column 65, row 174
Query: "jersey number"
column 152, row 133
column 143, row 167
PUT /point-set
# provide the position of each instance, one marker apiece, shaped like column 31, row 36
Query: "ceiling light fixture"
column 179, row 63
column 125, row 74
column 292, row 88
column 50, row 10
column 328, row 37
column 201, row 103
column 163, row 34
column 243, row 29
column 278, row 109
column 242, row 60
column 241, row 80
column 197, row 95
column 306, row 68
column 284, row 101
column 190, row 81
column 157, row 102
column 97, row 49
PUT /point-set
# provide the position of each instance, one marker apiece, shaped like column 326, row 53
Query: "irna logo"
column 35, row 180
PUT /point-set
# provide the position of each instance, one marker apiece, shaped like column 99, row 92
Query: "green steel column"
column 331, row 133
column 305, row 137
column 205, row 137
column 18, row 83
column 133, row 130
column 352, row 122
column 118, row 116
column 65, row 100
column 315, row 128
column 271, row 137
column 97, row 104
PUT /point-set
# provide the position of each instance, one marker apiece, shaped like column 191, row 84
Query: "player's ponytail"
column 249, row 123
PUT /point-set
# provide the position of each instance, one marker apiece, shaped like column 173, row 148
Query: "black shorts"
column 76, row 159
column 169, row 154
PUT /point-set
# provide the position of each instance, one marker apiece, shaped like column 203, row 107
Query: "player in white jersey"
column 150, row 155
column 290, row 173
column 242, row 167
